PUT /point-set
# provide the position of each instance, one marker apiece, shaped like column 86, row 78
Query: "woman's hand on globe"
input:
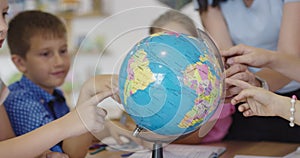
column 256, row 101
column 239, row 72
column 251, row 56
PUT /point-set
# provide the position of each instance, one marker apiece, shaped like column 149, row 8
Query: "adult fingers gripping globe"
column 171, row 84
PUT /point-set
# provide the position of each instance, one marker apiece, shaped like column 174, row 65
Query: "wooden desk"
column 232, row 148
column 256, row 148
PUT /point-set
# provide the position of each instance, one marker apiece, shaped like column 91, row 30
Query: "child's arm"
column 78, row 146
column 86, row 117
column 34, row 143
column 6, row 130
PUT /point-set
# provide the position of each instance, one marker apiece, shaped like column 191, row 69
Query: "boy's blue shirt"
column 28, row 109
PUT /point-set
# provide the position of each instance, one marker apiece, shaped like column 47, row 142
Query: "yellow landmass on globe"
column 141, row 75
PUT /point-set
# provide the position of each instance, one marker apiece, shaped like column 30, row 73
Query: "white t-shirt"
column 257, row 26
column 3, row 92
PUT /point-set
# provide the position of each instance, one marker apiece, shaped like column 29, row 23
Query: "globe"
column 170, row 83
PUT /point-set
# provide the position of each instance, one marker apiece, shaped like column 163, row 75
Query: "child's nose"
column 58, row 59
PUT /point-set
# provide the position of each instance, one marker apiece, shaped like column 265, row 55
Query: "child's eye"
column 45, row 54
column 63, row 51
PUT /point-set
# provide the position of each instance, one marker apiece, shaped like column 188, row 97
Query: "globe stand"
column 157, row 150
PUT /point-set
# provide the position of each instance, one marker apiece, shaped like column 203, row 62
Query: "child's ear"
column 19, row 62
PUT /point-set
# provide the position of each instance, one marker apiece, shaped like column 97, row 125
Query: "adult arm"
column 283, row 63
column 214, row 23
column 289, row 39
column 260, row 102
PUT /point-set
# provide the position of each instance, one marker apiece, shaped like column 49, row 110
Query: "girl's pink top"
column 221, row 127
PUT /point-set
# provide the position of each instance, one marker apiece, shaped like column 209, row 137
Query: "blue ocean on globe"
column 171, row 83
